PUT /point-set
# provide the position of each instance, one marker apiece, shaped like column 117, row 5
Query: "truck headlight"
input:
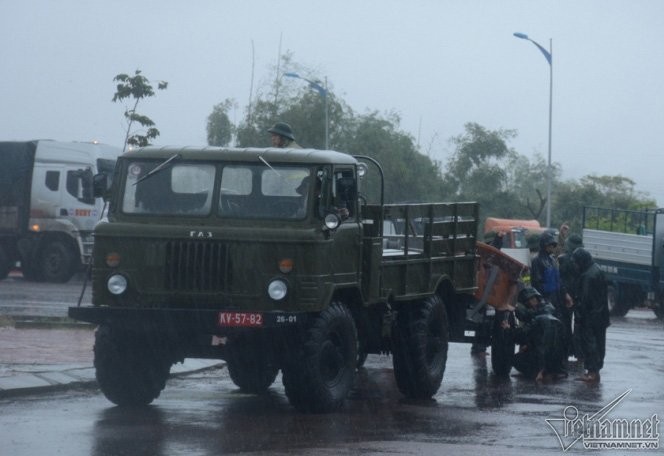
column 332, row 221
column 277, row 289
column 116, row 284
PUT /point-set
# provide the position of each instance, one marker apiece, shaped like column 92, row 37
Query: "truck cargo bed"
column 620, row 247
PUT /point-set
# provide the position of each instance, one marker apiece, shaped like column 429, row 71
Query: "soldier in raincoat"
column 569, row 276
column 541, row 336
column 592, row 309
column 545, row 278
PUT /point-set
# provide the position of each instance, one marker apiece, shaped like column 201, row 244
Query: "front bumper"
column 207, row 321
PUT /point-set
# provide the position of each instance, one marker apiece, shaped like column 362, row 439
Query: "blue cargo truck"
column 629, row 247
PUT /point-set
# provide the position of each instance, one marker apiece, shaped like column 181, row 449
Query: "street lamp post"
column 548, row 55
column 322, row 91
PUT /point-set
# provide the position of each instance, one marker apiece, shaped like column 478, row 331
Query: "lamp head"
column 523, row 36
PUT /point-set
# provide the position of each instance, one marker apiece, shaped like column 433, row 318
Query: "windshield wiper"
column 158, row 168
column 269, row 166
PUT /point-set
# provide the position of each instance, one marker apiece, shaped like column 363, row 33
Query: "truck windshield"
column 520, row 241
column 181, row 189
column 246, row 190
column 261, row 191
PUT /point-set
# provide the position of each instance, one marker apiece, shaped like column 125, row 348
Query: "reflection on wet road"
column 473, row 413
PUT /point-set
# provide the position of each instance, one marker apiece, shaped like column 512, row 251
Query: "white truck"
column 47, row 210
column 629, row 247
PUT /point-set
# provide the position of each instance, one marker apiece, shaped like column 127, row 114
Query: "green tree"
column 409, row 175
column 477, row 161
column 220, row 129
column 293, row 101
column 137, row 87
column 527, row 179
column 479, row 170
column 483, row 167
column 616, row 192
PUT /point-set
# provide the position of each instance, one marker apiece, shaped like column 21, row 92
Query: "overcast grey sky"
column 438, row 63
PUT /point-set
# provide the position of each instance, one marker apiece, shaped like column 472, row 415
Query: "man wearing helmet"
column 282, row 136
column 592, row 308
column 545, row 278
column 541, row 336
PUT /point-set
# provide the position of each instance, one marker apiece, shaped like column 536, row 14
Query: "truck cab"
column 516, row 235
column 47, row 208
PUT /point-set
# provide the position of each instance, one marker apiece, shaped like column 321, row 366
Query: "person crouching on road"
column 592, row 308
column 542, row 353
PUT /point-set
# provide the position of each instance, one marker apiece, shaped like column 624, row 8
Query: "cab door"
column 347, row 241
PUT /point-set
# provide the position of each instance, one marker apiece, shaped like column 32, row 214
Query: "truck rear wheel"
column 249, row 364
column 129, row 370
column 617, row 305
column 56, row 263
column 421, row 338
column 320, row 375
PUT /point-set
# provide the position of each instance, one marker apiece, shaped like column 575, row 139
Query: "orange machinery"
column 498, row 277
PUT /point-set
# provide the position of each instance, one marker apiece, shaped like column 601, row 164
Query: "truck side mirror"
column 99, row 185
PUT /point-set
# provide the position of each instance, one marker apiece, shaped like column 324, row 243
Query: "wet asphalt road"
column 21, row 298
column 473, row 413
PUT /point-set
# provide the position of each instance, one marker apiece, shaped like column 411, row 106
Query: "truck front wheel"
column 56, row 263
column 320, row 374
column 420, row 338
column 249, row 364
column 130, row 369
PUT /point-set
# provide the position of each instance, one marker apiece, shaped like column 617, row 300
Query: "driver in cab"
column 303, row 191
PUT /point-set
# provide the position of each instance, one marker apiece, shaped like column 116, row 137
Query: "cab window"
column 344, row 190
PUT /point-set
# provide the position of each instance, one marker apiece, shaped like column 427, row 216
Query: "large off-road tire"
column 420, row 342
column 56, row 262
column 131, row 370
column 249, row 364
column 502, row 344
column 617, row 306
column 5, row 264
column 320, row 374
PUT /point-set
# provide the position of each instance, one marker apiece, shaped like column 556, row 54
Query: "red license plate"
column 241, row 319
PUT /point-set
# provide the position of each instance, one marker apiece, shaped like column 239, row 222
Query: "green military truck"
column 273, row 259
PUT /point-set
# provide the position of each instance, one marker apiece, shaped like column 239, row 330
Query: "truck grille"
column 196, row 266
